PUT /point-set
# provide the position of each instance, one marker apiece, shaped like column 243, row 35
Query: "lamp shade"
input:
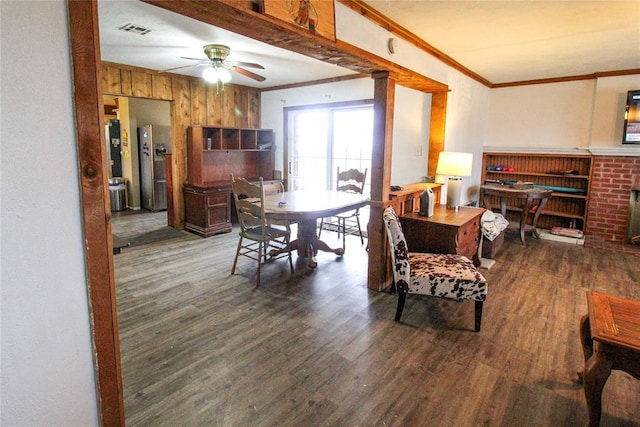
column 454, row 164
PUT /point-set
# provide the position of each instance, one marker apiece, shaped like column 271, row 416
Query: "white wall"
column 544, row 115
column 46, row 371
column 608, row 109
column 411, row 121
column 583, row 113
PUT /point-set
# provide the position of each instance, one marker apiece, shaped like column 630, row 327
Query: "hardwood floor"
column 202, row 347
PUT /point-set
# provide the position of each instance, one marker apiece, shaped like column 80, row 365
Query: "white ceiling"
column 174, row 36
column 502, row 41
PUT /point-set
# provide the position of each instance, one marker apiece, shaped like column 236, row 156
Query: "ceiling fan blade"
column 203, row 62
column 178, row 68
column 194, row 59
column 247, row 73
column 247, row 64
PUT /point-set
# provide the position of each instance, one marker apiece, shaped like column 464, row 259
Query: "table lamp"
column 455, row 165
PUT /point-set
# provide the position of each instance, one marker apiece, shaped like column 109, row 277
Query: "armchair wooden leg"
column 402, row 296
column 478, row 315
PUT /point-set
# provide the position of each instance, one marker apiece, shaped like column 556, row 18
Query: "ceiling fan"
column 219, row 67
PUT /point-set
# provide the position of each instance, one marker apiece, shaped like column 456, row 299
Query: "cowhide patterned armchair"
column 440, row 275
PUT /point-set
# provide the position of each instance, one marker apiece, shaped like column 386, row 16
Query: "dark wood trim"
column 373, row 15
column 87, row 80
column 329, row 105
column 568, row 78
column 316, row 82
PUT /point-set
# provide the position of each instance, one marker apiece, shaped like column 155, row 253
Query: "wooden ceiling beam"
column 237, row 17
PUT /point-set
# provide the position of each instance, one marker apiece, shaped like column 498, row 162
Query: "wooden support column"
column 436, row 130
column 383, row 106
column 96, row 215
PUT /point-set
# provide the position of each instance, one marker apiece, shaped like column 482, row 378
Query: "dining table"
column 305, row 207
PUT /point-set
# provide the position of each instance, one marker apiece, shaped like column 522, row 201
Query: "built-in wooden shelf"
column 566, row 208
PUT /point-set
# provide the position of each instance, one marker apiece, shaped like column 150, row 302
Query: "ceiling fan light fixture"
column 210, row 74
column 224, row 75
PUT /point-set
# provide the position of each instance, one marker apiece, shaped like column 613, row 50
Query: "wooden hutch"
column 213, row 154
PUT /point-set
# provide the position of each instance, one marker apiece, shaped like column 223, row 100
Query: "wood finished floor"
column 202, row 347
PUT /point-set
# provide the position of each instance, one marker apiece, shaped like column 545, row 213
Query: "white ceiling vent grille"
column 135, row 29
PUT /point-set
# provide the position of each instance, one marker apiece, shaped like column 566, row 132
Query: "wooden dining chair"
column 440, row 275
column 257, row 235
column 276, row 187
column 350, row 181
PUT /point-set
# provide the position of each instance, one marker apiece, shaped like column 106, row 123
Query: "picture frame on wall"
column 316, row 16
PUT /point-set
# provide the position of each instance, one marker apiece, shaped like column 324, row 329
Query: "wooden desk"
column 528, row 198
column 448, row 231
column 610, row 336
column 305, row 207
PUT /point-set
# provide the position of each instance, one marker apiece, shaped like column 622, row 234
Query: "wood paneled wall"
column 193, row 103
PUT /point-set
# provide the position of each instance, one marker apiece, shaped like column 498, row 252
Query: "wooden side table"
column 529, row 197
column 448, row 231
column 610, row 336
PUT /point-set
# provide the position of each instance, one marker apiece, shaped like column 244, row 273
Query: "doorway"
column 324, row 138
column 135, row 223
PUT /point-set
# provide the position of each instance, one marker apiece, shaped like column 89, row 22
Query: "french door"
column 323, row 138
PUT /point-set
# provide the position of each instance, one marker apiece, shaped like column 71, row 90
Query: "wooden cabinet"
column 448, row 231
column 567, row 176
column 207, row 209
column 213, row 154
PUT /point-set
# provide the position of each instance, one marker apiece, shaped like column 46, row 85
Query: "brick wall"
column 612, row 180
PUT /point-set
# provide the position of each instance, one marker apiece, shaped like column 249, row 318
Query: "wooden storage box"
column 489, row 248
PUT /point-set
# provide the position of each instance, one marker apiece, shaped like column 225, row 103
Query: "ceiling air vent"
column 135, row 29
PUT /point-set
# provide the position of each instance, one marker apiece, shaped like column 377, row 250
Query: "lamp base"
column 454, row 192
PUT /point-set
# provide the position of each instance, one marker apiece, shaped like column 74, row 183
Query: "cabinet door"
column 218, row 209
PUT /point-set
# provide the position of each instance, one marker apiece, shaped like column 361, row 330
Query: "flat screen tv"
column 631, row 134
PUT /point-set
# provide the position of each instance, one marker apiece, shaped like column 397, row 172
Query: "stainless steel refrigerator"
column 153, row 142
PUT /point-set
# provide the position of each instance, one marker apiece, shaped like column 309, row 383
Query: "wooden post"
column 87, row 80
column 436, row 130
column 383, row 106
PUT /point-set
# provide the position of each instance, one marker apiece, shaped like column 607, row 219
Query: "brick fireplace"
column 615, row 178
